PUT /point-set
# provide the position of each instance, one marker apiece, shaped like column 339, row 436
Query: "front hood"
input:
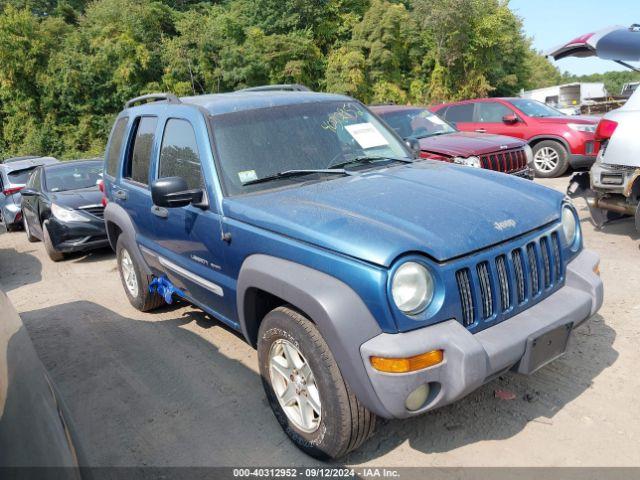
column 465, row 144
column 440, row 209
column 586, row 119
column 77, row 198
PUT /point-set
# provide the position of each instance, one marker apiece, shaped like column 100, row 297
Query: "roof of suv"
column 220, row 103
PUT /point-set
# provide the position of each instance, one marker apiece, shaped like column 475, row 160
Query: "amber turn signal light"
column 596, row 269
column 409, row 364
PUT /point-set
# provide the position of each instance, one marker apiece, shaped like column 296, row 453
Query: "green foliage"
column 68, row 66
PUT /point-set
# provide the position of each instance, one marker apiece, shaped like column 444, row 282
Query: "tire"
column 550, row 159
column 139, row 296
column 54, row 255
column 27, row 230
column 343, row 423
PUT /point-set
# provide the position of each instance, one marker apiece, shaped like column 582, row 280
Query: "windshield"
column 20, row 177
column 73, row 177
column 534, row 108
column 416, row 123
column 256, row 144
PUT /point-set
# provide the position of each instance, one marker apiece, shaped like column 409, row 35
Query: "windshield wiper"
column 295, row 173
column 366, row 159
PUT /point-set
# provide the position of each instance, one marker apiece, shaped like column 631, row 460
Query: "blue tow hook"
column 163, row 287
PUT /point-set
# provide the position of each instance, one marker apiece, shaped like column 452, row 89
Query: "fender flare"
column 115, row 214
column 339, row 313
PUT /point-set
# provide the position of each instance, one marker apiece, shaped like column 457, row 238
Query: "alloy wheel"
column 546, row 159
column 129, row 273
column 295, row 385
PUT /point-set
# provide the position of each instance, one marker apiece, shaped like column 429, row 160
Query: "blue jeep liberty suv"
column 371, row 283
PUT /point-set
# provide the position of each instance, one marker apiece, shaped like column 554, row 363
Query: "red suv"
column 558, row 140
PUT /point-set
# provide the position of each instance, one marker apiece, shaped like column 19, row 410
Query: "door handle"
column 481, row 130
column 120, row 194
column 160, row 211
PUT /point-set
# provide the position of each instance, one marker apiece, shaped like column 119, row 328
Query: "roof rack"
column 283, row 87
column 153, row 97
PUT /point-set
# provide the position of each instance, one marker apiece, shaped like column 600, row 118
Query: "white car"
column 612, row 187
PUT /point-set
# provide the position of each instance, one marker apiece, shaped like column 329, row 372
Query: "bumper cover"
column 11, row 213
column 70, row 237
column 471, row 360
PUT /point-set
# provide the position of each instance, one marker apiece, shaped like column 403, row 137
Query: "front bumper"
column 70, row 237
column 471, row 360
column 612, row 178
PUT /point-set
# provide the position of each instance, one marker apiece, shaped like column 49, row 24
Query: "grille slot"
column 466, row 296
column 557, row 260
column 519, row 269
column 508, row 161
column 546, row 261
column 485, row 289
column 503, row 279
column 534, row 278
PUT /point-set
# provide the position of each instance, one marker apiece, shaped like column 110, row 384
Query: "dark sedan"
column 62, row 206
column 439, row 140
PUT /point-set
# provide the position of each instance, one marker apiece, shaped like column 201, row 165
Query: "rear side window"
column 137, row 168
column 460, row 113
column 179, row 156
column 34, row 179
column 491, row 112
column 20, row 177
column 115, row 146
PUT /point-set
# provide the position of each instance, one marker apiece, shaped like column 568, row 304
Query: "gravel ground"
column 177, row 388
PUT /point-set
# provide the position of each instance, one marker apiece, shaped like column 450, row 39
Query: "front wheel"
column 30, row 237
column 54, row 254
column 135, row 282
column 550, row 159
column 310, row 399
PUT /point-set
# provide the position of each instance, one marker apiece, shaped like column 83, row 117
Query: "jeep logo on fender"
column 503, row 225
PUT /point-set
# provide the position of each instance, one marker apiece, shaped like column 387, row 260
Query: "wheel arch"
column 118, row 223
column 533, row 141
column 339, row 313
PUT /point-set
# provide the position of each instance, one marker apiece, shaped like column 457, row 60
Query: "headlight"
column 528, row 153
column 469, row 161
column 582, row 127
column 66, row 215
column 569, row 225
column 412, row 288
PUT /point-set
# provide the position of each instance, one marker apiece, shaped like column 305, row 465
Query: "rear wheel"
column 54, row 255
column 310, row 399
column 135, row 282
column 27, row 230
column 550, row 159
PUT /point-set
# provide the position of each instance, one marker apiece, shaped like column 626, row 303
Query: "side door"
column 497, row 118
column 460, row 115
column 31, row 204
column 132, row 192
column 189, row 247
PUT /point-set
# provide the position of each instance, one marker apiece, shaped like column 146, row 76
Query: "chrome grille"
column 485, row 289
column 503, row 280
column 489, row 294
column 508, row 161
column 466, row 296
column 95, row 210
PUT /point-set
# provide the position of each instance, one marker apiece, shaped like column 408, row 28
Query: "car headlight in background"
column 570, row 226
column 528, row 153
column 582, row 127
column 67, row 215
column 469, row 161
column 412, row 288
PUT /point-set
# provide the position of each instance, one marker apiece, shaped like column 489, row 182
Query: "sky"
column 554, row 22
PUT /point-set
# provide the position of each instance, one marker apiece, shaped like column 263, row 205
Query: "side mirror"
column 510, row 119
column 29, row 192
column 414, row 146
column 173, row 192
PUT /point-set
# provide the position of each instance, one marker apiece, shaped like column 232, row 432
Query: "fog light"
column 417, row 398
column 409, row 364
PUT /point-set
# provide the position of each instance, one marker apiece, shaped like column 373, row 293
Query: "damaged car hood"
column 440, row 209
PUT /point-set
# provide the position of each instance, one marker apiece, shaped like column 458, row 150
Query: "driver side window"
column 490, row 112
column 179, row 156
